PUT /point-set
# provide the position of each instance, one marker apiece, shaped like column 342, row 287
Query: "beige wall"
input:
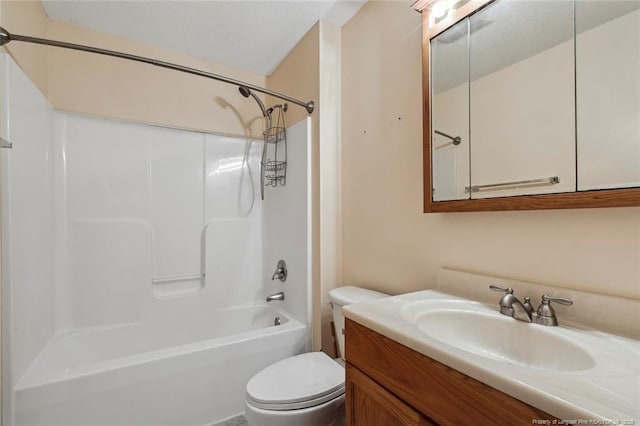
column 29, row 18
column 110, row 87
column 298, row 76
column 390, row 245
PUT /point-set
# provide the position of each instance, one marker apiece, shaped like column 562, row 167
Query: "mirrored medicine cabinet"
column 532, row 105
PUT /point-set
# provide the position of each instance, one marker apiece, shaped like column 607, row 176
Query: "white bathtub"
column 170, row 374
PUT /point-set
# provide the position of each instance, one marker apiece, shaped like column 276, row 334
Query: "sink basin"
column 481, row 331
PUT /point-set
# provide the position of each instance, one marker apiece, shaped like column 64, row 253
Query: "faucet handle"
column 281, row 271
column 561, row 300
column 545, row 314
column 545, row 309
column 507, row 290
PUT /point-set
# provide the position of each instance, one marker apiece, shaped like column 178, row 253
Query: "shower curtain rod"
column 6, row 37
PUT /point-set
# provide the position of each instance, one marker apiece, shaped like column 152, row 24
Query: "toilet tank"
column 347, row 295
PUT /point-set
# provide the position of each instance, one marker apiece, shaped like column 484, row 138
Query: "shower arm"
column 6, row 37
column 456, row 140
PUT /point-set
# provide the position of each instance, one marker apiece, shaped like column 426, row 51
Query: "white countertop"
column 610, row 390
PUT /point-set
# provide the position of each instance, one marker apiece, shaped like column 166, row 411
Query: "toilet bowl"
column 306, row 389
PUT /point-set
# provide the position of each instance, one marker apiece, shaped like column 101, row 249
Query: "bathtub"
column 134, row 374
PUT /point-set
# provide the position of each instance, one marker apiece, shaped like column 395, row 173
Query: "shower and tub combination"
column 136, row 264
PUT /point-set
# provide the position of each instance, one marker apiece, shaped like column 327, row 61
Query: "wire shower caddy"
column 274, row 151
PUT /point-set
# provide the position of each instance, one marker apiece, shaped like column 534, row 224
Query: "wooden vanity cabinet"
column 369, row 404
column 390, row 384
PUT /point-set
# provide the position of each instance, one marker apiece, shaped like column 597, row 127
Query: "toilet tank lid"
column 351, row 294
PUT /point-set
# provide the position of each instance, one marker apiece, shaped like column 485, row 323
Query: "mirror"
column 608, row 94
column 450, row 100
column 522, row 99
column 532, row 98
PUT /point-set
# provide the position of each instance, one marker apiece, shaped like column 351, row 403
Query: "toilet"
column 306, row 389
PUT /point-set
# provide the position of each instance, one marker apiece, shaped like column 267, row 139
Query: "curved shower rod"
column 6, row 37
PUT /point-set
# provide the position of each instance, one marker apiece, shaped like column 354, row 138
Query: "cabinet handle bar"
column 553, row 180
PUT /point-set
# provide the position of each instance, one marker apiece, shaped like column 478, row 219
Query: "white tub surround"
column 136, row 261
column 604, row 385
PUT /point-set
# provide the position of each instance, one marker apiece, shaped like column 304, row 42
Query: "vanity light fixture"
column 440, row 10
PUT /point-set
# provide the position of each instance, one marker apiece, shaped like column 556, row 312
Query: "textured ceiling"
column 251, row 35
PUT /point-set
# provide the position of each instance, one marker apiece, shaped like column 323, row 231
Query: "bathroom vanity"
column 448, row 356
column 390, row 384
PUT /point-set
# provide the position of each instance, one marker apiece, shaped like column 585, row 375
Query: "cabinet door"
column 608, row 94
column 369, row 404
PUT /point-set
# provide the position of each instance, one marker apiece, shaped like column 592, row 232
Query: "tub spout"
column 276, row 296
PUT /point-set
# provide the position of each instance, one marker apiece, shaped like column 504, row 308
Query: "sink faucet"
column 511, row 306
column 275, row 296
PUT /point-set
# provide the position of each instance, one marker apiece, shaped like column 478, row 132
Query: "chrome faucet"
column 511, row 306
column 544, row 315
column 281, row 271
column 276, row 296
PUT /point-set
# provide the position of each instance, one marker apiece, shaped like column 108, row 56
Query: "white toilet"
column 305, row 389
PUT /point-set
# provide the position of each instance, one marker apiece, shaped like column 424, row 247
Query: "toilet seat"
column 297, row 382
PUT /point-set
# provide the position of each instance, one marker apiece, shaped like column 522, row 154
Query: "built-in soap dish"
column 168, row 287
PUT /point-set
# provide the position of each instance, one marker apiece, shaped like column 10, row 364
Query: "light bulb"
column 440, row 10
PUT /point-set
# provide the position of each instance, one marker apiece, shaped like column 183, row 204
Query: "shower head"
column 246, row 92
column 5, row 37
